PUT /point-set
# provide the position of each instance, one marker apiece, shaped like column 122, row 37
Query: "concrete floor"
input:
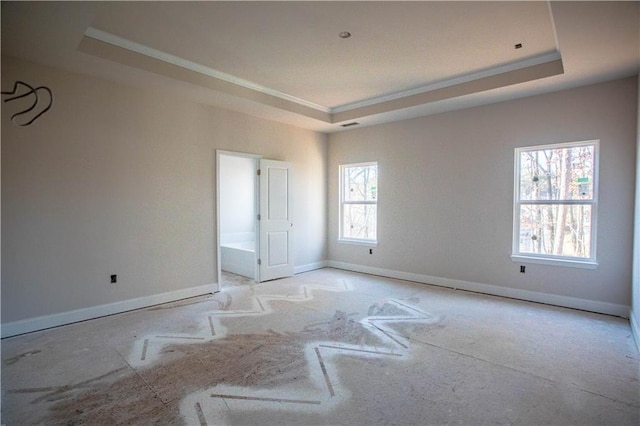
column 328, row 347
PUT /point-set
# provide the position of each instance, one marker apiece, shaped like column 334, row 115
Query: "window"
column 358, row 202
column 555, row 204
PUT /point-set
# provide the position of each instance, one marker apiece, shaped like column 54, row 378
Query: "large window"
column 555, row 203
column 358, row 202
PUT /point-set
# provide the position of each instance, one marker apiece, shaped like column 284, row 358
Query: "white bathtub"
column 239, row 258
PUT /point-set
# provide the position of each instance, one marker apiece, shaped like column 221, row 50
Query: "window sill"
column 358, row 242
column 582, row 264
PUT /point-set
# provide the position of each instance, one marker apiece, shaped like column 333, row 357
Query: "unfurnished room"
column 320, row 213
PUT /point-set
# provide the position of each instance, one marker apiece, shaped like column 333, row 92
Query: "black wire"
column 32, row 91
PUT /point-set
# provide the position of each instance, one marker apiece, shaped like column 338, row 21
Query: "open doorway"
column 254, row 219
column 237, row 218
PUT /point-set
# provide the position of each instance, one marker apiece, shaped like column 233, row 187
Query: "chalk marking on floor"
column 342, row 348
column 324, row 372
column 321, row 367
column 256, row 398
column 320, row 356
column 58, row 392
column 386, row 333
column 213, row 329
column 10, row 361
column 152, row 344
column 180, row 337
column 201, row 419
column 144, row 350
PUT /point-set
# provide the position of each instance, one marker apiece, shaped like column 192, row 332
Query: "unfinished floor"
column 328, row 347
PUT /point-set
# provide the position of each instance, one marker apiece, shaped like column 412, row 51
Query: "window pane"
column 563, row 230
column 360, row 183
column 360, row 221
column 557, row 174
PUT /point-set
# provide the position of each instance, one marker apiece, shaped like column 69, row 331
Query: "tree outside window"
column 556, row 201
column 358, row 202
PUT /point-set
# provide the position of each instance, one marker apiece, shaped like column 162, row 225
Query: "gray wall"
column 118, row 180
column 121, row 180
column 446, row 190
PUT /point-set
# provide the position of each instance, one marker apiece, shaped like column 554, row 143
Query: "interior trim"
column 495, row 81
column 121, row 55
column 29, row 325
column 494, row 290
column 635, row 329
column 513, row 66
column 184, row 63
column 310, row 267
column 114, row 48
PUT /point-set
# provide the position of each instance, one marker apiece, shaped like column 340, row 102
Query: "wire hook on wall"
column 36, row 100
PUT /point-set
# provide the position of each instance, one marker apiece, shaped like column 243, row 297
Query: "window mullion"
column 555, row 202
column 368, row 202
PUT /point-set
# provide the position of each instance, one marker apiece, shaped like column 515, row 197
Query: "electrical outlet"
column 522, row 268
column 114, row 279
column 370, row 251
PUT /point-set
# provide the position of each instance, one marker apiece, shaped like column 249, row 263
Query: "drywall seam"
column 494, row 290
column 28, row 325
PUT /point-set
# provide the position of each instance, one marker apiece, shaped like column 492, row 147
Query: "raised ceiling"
column 285, row 60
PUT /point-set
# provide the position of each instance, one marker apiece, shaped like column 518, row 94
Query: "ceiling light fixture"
column 344, row 34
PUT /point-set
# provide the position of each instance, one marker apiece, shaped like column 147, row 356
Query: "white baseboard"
column 530, row 296
column 28, row 325
column 15, row 328
column 310, row 267
column 635, row 328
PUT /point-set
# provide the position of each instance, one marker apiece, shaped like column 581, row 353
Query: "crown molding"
column 529, row 69
column 490, row 72
column 123, row 43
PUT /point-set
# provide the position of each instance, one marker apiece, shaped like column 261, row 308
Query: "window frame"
column 342, row 202
column 552, row 259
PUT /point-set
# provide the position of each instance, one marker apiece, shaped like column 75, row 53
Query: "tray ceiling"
column 286, row 61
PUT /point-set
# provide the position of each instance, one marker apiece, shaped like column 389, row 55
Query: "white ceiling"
column 285, row 61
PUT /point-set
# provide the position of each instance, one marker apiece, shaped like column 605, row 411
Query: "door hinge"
column 259, row 261
column 259, row 172
column 259, row 217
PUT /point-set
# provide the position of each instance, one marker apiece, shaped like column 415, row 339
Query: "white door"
column 276, row 223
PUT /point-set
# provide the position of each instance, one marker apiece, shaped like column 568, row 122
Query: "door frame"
column 256, row 160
